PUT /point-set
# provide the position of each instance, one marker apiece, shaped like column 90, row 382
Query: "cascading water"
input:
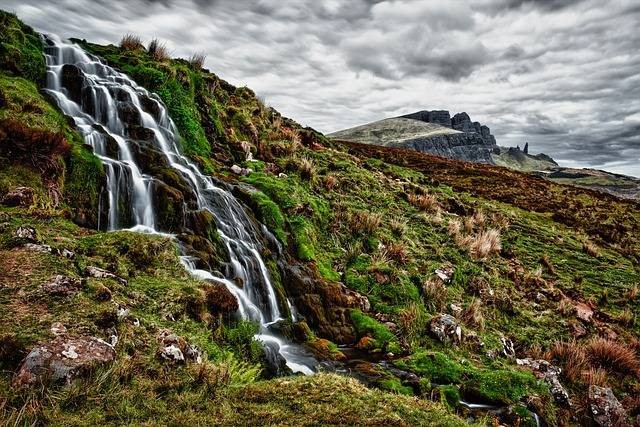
column 96, row 96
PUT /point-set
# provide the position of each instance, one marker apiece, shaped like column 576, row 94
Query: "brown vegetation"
column 131, row 42
column 158, row 50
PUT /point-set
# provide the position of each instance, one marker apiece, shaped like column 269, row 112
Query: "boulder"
column 63, row 285
column 26, row 234
column 100, row 273
column 604, row 408
column 240, row 170
column 63, row 359
column 18, row 196
column 176, row 349
column 550, row 373
column 446, row 328
column 583, row 312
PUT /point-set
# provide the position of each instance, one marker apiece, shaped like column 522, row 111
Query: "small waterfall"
column 104, row 103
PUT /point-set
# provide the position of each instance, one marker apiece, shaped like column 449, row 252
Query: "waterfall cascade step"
column 107, row 108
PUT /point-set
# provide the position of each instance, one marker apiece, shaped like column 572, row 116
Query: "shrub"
column 365, row 222
column 472, row 315
column 306, row 168
column 197, row 60
column 130, row 42
column 435, row 294
column 571, row 357
column 158, row 50
column 590, row 249
column 469, row 223
column 425, row 202
column 613, row 355
column 485, row 243
column 398, row 253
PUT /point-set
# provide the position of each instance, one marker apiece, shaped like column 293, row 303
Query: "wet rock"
column 168, row 203
column 18, row 196
column 550, row 373
column 72, row 80
column 446, row 328
column 63, row 285
column 63, row 359
column 129, row 114
column 27, row 234
column 219, row 299
column 100, row 273
column 604, row 408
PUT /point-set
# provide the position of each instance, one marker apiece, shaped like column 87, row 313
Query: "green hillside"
column 528, row 269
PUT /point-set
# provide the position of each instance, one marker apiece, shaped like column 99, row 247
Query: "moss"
column 83, row 182
column 269, row 214
column 384, row 339
column 395, row 385
column 490, row 384
column 20, row 49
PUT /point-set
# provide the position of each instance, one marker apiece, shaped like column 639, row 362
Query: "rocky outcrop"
column 18, row 196
column 460, row 122
column 469, row 147
column 63, row 359
column 446, row 328
column 605, row 410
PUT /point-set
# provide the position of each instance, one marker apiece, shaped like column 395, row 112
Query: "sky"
column 563, row 75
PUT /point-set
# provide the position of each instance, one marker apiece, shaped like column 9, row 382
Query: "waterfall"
column 97, row 97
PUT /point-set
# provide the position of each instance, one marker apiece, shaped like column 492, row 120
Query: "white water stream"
column 97, row 105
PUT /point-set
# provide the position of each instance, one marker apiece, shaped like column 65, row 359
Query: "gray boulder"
column 446, row 328
column 604, row 408
column 63, row 285
column 63, row 359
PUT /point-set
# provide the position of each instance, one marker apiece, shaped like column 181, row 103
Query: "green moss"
column 395, row 385
column 20, row 49
column 384, row 339
column 269, row 214
column 490, row 384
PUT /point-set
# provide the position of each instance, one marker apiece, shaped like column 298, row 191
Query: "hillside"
column 434, row 284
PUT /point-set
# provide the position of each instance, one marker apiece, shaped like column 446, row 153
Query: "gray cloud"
column 560, row 74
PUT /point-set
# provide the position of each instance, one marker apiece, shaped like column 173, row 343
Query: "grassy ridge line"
column 615, row 220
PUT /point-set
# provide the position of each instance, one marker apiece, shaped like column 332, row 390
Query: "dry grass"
column 612, row 355
column 479, row 219
column 398, row 226
column 158, row 50
column 472, row 315
column 454, row 227
column 131, row 42
column 485, row 243
column 398, row 253
column 365, row 222
column 425, row 202
column 594, row 376
column 330, row 182
column 197, row 60
column 435, row 294
column 571, row 358
column 632, row 292
column 469, row 223
column 590, row 249
column 412, row 321
column 306, row 168
column 626, row 317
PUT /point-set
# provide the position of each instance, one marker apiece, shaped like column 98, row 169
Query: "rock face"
column 433, row 132
column 550, row 373
column 63, row 359
column 605, row 409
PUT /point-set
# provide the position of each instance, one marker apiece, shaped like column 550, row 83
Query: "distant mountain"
column 458, row 137
column 433, row 132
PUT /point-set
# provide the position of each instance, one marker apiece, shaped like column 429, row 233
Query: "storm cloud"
column 563, row 75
